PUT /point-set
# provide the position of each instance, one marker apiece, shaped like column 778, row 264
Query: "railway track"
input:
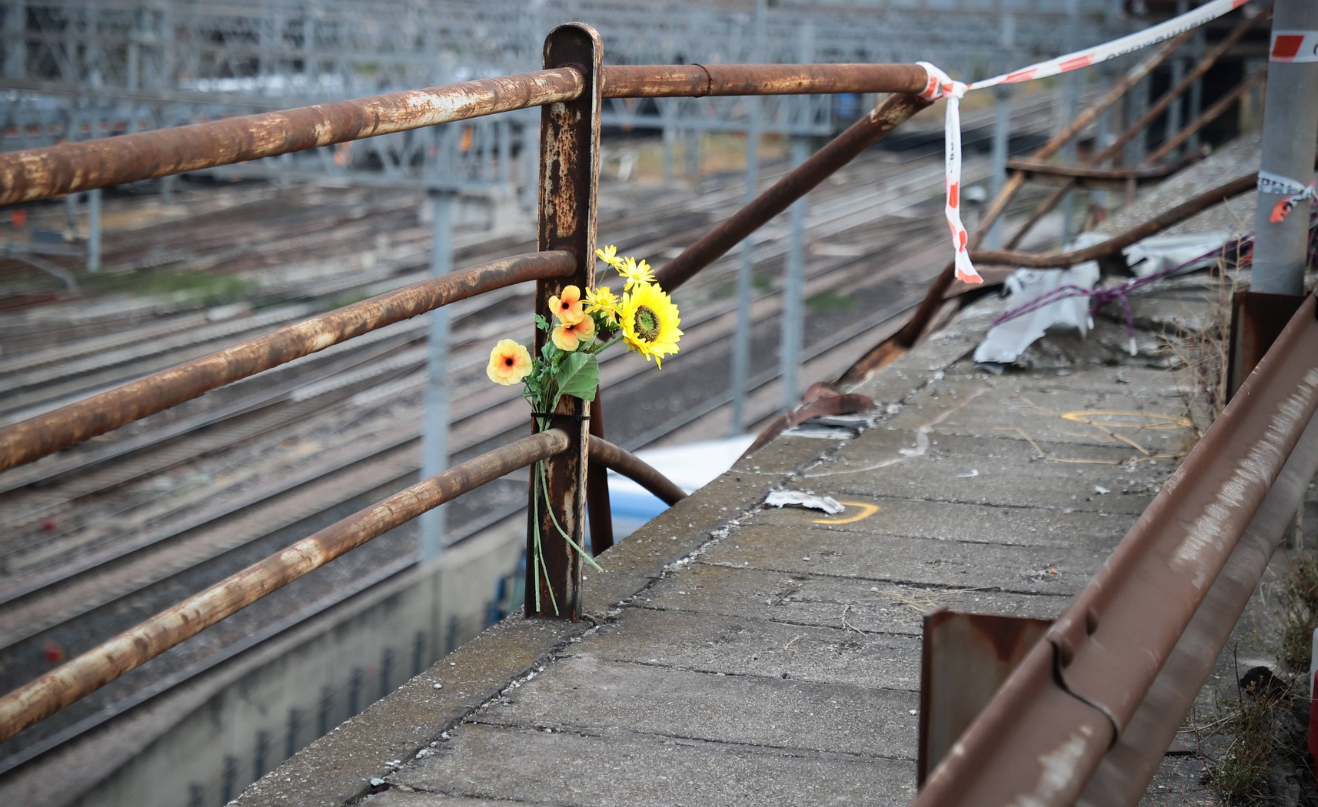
column 90, row 546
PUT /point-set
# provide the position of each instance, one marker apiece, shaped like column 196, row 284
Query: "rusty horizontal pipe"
column 1090, row 175
column 1113, row 640
column 844, row 148
column 100, row 163
column 49, row 432
column 99, row 666
column 636, row 469
column 696, row 80
column 910, row 333
column 103, row 162
column 1155, row 225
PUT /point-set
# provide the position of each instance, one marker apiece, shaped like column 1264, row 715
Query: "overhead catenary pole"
column 434, row 436
column 1290, row 126
column 741, row 340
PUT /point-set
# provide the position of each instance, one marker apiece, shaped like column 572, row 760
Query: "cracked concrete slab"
column 820, row 601
column 584, row 693
column 619, row 768
column 839, row 654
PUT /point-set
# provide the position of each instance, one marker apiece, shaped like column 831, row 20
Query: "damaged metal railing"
column 569, row 91
column 1067, row 707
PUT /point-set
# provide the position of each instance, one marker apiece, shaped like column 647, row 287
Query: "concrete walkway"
column 741, row 655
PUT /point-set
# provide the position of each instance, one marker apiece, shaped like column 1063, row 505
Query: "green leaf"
column 541, row 322
column 579, row 376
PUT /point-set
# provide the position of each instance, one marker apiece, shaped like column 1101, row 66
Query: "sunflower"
column 604, row 302
column 649, row 322
column 635, row 273
column 568, row 337
column 568, row 306
column 510, row 362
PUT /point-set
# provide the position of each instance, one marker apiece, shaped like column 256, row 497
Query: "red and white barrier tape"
column 1294, row 191
column 940, row 85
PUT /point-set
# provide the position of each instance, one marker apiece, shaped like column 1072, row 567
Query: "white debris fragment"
column 1003, row 343
column 974, row 472
column 797, row 498
column 376, row 781
column 1101, row 491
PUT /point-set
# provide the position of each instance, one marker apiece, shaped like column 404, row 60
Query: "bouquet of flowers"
column 644, row 319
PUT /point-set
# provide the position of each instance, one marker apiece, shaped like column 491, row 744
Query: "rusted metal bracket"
column 569, row 184
column 1257, row 319
column 964, row 659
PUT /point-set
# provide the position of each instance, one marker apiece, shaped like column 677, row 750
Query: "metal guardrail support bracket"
column 569, row 184
column 1256, row 321
column 964, row 658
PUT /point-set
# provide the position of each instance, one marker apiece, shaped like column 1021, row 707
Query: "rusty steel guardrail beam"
column 1160, row 222
column 1105, row 653
column 103, row 162
column 134, row 647
column 618, row 459
column 49, row 432
column 844, row 148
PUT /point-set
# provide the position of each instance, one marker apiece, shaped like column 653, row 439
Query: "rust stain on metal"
column 88, row 672
column 569, row 177
column 49, row 432
column 39, row 173
column 697, row 80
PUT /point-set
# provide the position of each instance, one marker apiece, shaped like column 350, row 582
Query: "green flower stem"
column 540, row 559
column 548, row 507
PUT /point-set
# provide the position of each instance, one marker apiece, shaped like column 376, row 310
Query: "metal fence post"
column 434, row 438
column 569, row 182
column 1290, row 119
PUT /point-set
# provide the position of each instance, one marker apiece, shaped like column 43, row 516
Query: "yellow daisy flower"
column 609, row 255
column 635, row 273
column 510, row 362
column 649, row 322
column 602, row 300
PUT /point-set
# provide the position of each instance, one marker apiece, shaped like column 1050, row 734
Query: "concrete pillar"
column 1290, row 125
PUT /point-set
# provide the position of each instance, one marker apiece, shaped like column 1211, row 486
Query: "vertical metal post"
column 794, row 291
column 1071, row 84
column 1172, row 124
column 434, row 437
column 94, row 231
column 1290, row 123
column 1001, row 140
column 569, row 184
column 670, row 146
column 15, row 39
column 741, row 340
column 691, row 156
column 1001, row 129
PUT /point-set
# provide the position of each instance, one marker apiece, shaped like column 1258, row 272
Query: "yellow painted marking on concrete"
column 866, row 510
column 1118, row 419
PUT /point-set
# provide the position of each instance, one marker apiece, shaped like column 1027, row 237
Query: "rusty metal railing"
column 1073, row 696
column 569, row 92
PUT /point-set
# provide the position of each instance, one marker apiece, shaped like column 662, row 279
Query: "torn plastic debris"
column 1004, row 343
column 798, row 498
column 1163, row 252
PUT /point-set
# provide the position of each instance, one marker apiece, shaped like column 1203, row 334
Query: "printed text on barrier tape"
column 1294, row 46
column 940, row 85
column 1294, row 191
